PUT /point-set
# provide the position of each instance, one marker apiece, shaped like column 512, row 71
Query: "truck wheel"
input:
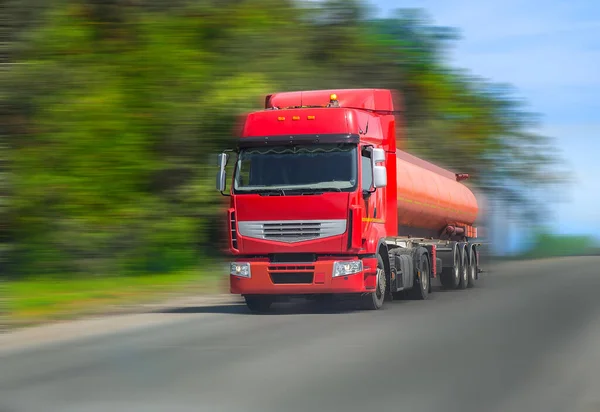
column 450, row 277
column 464, row 270
column 258, row 304
column 374, row 300
column 420, row 289
column 395, row 273
column 472, row 268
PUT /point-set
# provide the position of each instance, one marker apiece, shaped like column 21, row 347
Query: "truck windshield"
column 283, row 169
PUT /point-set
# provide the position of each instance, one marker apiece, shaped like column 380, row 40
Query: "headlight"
column 240, row 269
column 348, row 267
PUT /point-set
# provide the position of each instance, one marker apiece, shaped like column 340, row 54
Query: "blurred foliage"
column 40, row 299
column 550, row 245
column 110, row 110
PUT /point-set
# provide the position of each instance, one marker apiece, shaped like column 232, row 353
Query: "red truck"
column 323, row 203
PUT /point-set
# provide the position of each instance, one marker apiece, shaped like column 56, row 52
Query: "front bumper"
column 267, row 277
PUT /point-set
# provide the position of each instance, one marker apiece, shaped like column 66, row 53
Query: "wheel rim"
column 425, row 276
column 380, row 291
column 456, row 269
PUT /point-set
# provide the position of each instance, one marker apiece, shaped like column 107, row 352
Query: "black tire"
column 464, row 269
column 430, row 290
column 472, row 268
column 258, row 304
column 374, row 300
column 450, row 277
column 394, row 263
column 420, row 289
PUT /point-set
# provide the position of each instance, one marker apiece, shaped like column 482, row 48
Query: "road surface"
column 527, row 338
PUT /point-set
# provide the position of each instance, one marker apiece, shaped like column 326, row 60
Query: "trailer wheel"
column 472, row 268
column 258, row 304
column 450, row 277
column 464, row 269
column 420, row 289
column 374, row 300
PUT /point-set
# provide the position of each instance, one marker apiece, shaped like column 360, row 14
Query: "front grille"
column 288, row 268
column 292, row 230
column 293, row 257
column 291, row 274
column 287, row 278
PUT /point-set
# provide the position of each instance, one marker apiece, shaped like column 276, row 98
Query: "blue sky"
column 550, row 51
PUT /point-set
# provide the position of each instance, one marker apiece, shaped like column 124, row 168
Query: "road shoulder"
column 140, row 316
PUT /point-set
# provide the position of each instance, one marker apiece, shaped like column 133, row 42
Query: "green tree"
column 111, row 110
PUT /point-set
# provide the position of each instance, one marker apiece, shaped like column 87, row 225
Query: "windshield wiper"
column 315, row 190
column 271, row 192
column 296, row 192
column 304, row 192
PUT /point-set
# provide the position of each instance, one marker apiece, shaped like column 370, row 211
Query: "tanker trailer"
column 436, row 211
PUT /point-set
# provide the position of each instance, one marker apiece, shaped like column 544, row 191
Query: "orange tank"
column 431, row 200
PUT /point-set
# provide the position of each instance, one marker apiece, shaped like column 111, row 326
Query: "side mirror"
column 222, row 175
column 379, row 176
column 378, row 155
column 222, row 159
column 379, row 172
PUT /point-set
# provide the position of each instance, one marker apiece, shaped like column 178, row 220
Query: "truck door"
column 371, row 199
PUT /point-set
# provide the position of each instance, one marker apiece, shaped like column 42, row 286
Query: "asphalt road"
column 527, row 338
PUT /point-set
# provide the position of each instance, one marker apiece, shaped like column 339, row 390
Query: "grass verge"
column 34, row 301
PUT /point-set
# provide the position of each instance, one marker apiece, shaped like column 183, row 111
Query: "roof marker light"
column 310, row 117
column 296, row 118
column 281, row 118
column 333, row 101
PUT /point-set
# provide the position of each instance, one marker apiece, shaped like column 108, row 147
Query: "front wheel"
column 374, row 300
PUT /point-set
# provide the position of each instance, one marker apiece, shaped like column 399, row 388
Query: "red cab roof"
column 368, row 99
